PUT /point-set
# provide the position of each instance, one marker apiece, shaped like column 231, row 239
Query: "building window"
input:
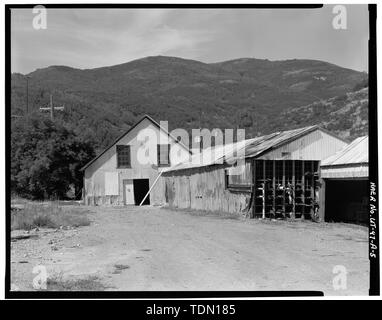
column 123, row 156
column 163, row 155
column 239, row 180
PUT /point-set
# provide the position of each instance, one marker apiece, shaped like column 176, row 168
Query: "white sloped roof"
column 355, row 153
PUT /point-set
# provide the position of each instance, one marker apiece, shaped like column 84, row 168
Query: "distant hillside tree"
column 104, row 102
column 46, row 158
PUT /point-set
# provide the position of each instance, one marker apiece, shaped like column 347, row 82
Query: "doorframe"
column 124, row 182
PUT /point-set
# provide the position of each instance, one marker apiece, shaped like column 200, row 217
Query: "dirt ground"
column 150, row 248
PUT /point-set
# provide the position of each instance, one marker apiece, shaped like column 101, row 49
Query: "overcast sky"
column 84, row 38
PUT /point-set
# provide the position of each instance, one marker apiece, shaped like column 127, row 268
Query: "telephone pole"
column 27, row 78
column 52, row 108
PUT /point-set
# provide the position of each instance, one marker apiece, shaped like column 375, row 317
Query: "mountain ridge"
column 186, row 59
column 243, row 92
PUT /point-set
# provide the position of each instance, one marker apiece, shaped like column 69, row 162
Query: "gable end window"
column 123, row 156
column 163, row 155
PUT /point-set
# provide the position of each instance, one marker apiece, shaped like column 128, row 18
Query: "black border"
column 374, row 288
column 165, row 5
column 7, row 150
column 373, row 161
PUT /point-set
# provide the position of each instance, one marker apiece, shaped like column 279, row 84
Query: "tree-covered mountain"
column 248, row 93
column 346, row 115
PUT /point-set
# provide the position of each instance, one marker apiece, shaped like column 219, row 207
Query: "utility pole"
column 200, row 128
column 200, row 118
column 255, row 120
column 27, row 78
column 52, row 108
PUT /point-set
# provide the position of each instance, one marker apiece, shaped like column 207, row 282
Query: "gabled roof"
column 211, row 155
column 251, row 148
column 121, row 136
column 356, row 152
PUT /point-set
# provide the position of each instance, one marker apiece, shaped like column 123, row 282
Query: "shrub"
column 91, row 283
column 46, row 158
column 50, row 216
column 340, row 100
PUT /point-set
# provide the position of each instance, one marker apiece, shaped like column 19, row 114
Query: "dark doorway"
column 141, row 187
column 346, row 201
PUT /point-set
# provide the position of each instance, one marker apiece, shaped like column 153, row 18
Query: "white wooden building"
column 125, row 171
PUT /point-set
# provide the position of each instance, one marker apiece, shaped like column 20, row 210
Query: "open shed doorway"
column 346, row 200
column 141, row 187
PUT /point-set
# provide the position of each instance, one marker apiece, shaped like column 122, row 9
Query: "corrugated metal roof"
column 354, row 153
column 249, row 148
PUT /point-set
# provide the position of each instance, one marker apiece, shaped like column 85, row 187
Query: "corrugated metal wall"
column 204, row 189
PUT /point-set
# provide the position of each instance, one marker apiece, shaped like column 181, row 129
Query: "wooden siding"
column 352, row 171
column 204, row 189
column 94, row 177
column 243, row 177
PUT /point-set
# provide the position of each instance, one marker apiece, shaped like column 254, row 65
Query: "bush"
column 340, row 100
column 50, row 216
column 91, row 283
column 363, row 84
column 46, row 158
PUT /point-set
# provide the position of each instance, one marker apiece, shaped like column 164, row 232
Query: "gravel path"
column 148, row 248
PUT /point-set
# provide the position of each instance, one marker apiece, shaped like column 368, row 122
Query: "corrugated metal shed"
column 251, row 148
column 355, row 152
column 210, row 181
column 350, row 162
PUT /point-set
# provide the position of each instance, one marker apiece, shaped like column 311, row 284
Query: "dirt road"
column 151, row 248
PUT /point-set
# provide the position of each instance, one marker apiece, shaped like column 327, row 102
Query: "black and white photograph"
column 194, row 149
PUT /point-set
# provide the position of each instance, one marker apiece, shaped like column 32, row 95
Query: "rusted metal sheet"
column 207, row 181
column 308, row 143
column 204, row 189
column 240, row 175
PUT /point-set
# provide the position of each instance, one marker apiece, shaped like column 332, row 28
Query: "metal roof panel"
column 252, row 148
column 356, row 152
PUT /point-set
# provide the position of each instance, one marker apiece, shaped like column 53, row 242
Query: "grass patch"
column 91, row 283
column 50, row 215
